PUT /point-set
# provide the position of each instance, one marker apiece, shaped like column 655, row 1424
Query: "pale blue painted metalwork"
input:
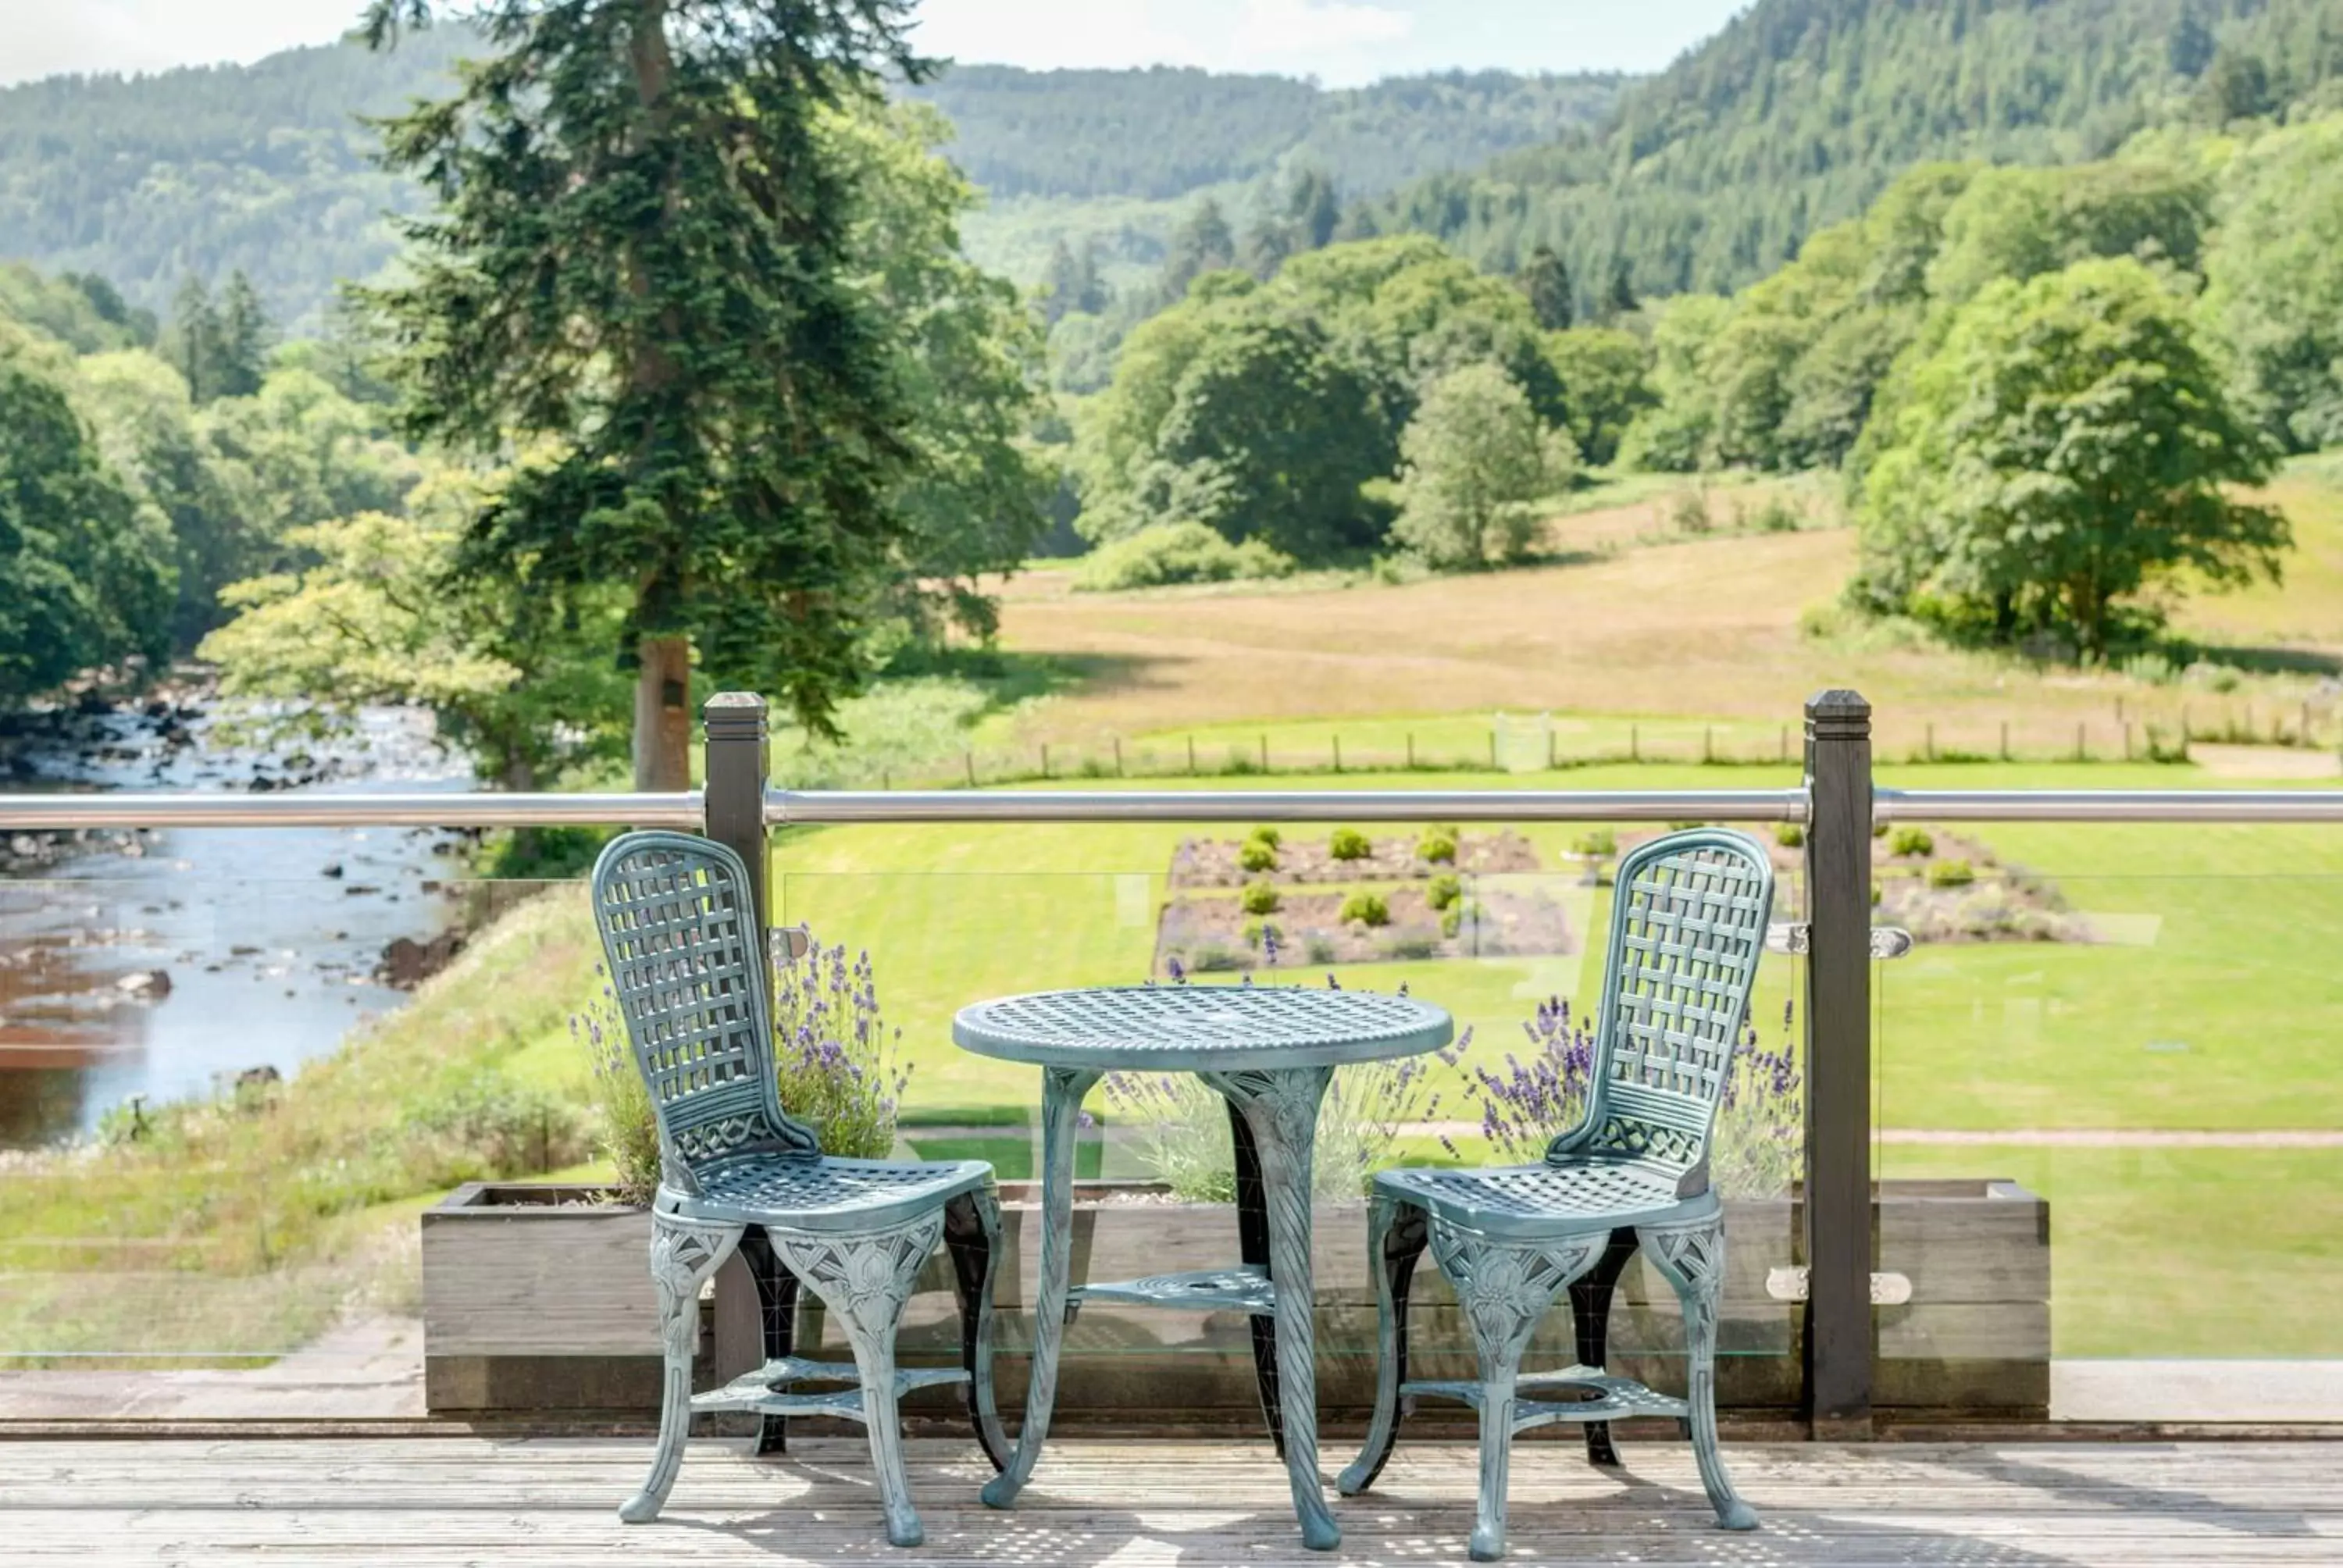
column 1688, row 928
column 687, row 968
column 1270, row 1051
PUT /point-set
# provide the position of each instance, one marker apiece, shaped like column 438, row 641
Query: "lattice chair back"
column 1687, row 930
column 680, row 930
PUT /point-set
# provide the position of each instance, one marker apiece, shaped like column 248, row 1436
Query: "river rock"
column 407, row 964
column 146, row 985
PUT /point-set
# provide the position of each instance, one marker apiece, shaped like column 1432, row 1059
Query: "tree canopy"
column 2064, row 449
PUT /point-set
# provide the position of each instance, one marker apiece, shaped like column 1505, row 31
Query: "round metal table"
column 1270, row 1050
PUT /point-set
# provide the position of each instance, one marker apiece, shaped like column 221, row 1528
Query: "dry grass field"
column 1639, row 620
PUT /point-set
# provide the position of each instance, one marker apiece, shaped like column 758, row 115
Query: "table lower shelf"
column 765, row 1390
column 1594, row 1396
column 1242, row 1287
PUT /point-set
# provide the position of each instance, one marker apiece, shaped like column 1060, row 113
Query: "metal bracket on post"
column 1838, row 1239
column 737, row 762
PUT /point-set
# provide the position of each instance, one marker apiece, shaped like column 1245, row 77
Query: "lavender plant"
column 1753, row 1151
column 835, row 1062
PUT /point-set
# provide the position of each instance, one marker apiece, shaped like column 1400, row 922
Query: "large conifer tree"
column 640, row 261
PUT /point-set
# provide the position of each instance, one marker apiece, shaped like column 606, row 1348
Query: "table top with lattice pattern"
column 1201, row 1028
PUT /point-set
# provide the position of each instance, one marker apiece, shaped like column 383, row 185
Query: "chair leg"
column 777, row 1301
column 1504, row 1288
column 684, row 1253
column 1590, row 1310
column 1692, row 1256
column 973, row 1232
column 866, row 1279
column 1395, row 1239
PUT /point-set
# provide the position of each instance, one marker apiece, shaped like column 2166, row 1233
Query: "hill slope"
column 265, row 167
column 1800, row 111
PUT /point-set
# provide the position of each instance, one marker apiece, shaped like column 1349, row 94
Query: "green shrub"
column 1350, row 844
column 1214, row 960
column 1595, row 844
column 1169, row 553
column 1255, row 856
column 1259, row 899
column 1911, row 841
column 1790, row 836
column 1438, row 848
column 1951, row 874
column 1874, row 890
column 1685, row 827
column 1402, row 948
column 1321, row 951
column 1265, row 834
column 1443, row 890
column 1367, row 909
column 1451, row 920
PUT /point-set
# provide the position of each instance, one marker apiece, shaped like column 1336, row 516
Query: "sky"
column 1341, row 42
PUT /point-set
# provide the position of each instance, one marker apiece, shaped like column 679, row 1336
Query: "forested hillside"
column 1800, row 112
column 1165, row 132
column 267, row 169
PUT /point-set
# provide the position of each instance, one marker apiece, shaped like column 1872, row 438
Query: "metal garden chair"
column 688, row 968
column 1688, row 926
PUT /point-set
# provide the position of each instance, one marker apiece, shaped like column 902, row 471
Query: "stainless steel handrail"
column 792, row 806
column 334, row 809
column 2107, row 804
column 337, row 808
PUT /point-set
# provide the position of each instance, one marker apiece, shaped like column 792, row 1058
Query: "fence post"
column 1838, row 1239
column 738, row 761
column 1118, row 755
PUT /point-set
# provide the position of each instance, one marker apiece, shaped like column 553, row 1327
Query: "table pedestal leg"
column 1281, row 1107
column 1062, row 1107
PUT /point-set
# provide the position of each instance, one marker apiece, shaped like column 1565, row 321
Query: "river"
column 157, row 963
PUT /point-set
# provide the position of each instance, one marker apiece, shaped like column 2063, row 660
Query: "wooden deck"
column 431, row 1503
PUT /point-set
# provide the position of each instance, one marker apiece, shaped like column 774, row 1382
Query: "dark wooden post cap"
column 1837, row 714
column 735, row 716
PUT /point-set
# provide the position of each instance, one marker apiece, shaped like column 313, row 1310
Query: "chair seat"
column 1564, row 1200
column 820, row 1192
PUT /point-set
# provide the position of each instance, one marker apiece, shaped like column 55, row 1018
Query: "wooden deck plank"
column 436, row 1502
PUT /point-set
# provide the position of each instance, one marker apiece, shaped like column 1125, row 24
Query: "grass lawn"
column 2178, row 1252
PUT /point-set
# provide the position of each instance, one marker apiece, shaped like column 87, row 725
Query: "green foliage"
column 1951, row 874
column 1472, row 459
column 83, row 311
column 1910, row 841
column 1595, row 843
column 1166, row 131
column 1253, row 855
column 1259, row 899
column 1266, row 834
column 1364, row 908
column 1799, row 113
column 1177, row 552
column 1436, row 847
column 1603, row 375
column 85, row 572
column 626, row 1125
column 1261, row 408
column 1350, row 844
column 1443, row 891
column 523, row 683
column 1545, row 283
column 483, row 1124
column 643, row 263
column 1789, row 835
column 2064, row 447
column 2274, row 281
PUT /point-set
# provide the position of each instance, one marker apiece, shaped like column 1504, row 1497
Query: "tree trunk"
column 663, row 715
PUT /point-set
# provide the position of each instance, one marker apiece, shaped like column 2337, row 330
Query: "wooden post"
column 1045, row 759
column 2079, row 752
column 1191, row 754
column 1493, row 747
column 1635, row 745
column 1932, row 740
column 2004, row 740
column 1264, row 752
column 2304, row 739
column 1553, row 758
column 1838, row 1240
column 738, row 764
column 1338, row 755
column 970, row 758
column 1411, row 750
column 1118, row 755
column 1708, row 743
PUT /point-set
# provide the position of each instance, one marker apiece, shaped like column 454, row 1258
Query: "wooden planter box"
column 538, row 1301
